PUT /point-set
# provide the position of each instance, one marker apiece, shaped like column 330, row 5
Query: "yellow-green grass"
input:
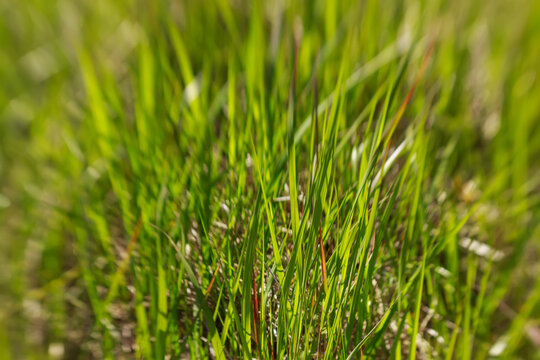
column 269, row 179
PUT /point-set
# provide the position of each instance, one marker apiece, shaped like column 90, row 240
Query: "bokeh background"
column 65, row 224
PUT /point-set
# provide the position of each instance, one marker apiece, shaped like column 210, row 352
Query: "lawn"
column 234, row 179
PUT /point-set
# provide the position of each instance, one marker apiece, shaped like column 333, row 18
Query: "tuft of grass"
column 288, row 179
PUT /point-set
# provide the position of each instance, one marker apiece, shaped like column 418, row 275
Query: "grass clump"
column 232, row 179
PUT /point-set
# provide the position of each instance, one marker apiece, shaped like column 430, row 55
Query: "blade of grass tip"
column 365, row 250
column 228, row 16
column 97, row 216
column 296, row 261
column 231, row 101
column 410, row 93
column 363, row 72
column 291, row 145
column 377, row 136
column 411, row 226
column 181, row 53
column 315, row 131
column 359, row 119
column 97, row 104
column 367, row 236
column 386, row 56
column 269, row 214
column 341, row 252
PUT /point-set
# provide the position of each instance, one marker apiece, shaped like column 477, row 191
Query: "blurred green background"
column 56, row 172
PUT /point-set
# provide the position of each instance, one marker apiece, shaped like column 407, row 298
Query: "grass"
column 288, row 179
